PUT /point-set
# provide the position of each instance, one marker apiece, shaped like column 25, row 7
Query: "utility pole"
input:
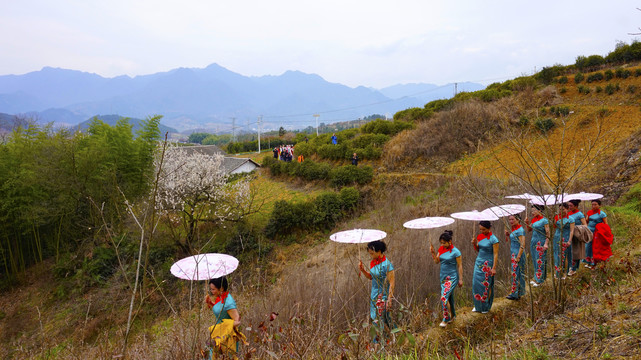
column 455, row 89
column 259, row 119
column 316, row 116
column 233, row 129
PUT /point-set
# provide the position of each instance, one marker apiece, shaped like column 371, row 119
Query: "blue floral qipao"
column 449, row 281
column 483, row 280
column 223, row 304
column 562, row 259
column 518, row 267
column 538, row 253
column 380, row 286
column 594, row 218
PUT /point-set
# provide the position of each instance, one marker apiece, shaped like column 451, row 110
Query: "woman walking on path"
column 487, row 245
column 561, row 243
column 451, row 274
column 517, row 249
column 540, row 228
column 381, row 272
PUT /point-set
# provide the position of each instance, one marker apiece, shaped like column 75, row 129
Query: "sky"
column 353, row 42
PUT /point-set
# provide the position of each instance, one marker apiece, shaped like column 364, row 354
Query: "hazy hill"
column 208, row 97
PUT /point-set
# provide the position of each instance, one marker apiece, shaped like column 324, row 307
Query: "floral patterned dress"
column 562, row 252
column 518, row 267
column 593, row 219
column 539, row 255
column 449, row 281
column 380, row 286
column 483, row 280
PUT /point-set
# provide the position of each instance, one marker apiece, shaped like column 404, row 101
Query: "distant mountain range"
column 208, row 98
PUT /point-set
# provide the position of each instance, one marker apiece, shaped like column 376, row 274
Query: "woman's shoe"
column 443, row 324
column 474, row 310
column 511, row 297
column 571, row 272
column 535, row 284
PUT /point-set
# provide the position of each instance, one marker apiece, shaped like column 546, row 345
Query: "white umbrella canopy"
column 525, row 196
column 549, row 199
column 475, row 215
column 428, row 222
column 583, row 196
column 505, row 210
column 204, row 266
column 358, row 236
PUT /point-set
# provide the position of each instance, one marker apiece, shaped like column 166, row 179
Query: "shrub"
column 598, row 76
column 578, row 78
column 609, row 74
column 523, row 121
column 610, row 89
column 563, row 90
column 349, row 175
column 369, row 139
column 622, row 73
column 637, row 72
column 333, row 152
column 544, row 125
column 583, row 89
column 632, row 89
column 563, row 80
column 380, row 126
column 598, row 89
column 590, row 62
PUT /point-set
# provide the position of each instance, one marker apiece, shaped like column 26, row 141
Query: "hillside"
column 300, row 296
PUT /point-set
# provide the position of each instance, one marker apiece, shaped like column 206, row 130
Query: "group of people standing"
column 486, row 244
column 284, row 152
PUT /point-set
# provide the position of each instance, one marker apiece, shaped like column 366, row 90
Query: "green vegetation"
column 309, row 170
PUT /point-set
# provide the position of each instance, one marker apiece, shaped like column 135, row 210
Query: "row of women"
column 486, row 244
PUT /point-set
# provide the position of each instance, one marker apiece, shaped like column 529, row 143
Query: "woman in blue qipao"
column 562, row 242
column 487, row 246
column 381, row 272
column 540, row 228
column 451, row 274
column 222, row 304
column 516, row 237
column 594, row 217
column 579, row 219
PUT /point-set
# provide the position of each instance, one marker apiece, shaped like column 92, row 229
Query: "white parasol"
column 525, row 196
column 505, row 210
column 583, row 196
column 204, row 266
column 549, row 199
column 475, row 215
column 428, row 222
column 358, row 236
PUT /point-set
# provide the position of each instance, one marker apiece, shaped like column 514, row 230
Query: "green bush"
column 598, row 89
column 380, row 126
column 610, row 89
column 544, row 125
column 578, row 78
column 523, row 121
column 609, row 74
column 563, row 80
column 598, row 76
column 583, row 89
column 350, row 175
column 563, row 90
column 589, row 63
column 637, row 72
column 622, row 73
column 320, row 213
column 334, row 152
column 632, row 89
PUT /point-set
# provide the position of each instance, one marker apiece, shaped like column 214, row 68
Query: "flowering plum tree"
column 194, row 188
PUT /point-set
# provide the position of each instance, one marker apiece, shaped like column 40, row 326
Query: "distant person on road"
column 487, row 245
column 451, row 274
column 276, row 153
column 306, row 139
column 334, row 139
column 355, row 159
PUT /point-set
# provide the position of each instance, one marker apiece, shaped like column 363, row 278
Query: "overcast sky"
column 353, row 42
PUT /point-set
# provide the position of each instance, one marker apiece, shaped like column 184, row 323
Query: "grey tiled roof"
column 230, row 164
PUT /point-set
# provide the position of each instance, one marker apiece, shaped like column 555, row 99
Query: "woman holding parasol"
column 381, row 272
column 516, row 237
column 487, row 246
column 540, row 229
column 451, row 274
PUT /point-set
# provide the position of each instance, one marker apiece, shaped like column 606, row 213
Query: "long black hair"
column 220, row 283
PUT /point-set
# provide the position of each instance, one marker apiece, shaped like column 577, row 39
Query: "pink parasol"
column 428, row 222
column 505, row 210
column 475, row 215
column 583, row 196
column 358, row 236
column 204, row 266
